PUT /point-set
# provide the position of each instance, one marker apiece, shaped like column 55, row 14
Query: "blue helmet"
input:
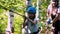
column 31, row 10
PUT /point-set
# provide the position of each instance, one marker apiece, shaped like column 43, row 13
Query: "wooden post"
column 38, row 14
column 38, row 9
column 10, row 27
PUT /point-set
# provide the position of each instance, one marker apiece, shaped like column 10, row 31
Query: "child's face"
column 32, row 16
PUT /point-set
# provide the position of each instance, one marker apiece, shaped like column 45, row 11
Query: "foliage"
column 20, row 7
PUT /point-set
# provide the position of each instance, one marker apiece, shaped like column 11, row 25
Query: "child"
column 31, row 22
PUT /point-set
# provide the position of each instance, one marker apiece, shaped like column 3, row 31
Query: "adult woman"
column 54, row 16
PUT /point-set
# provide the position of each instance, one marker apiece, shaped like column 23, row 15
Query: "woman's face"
column 53, row 4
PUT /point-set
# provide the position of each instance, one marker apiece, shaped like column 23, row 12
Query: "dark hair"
column 55, row 0
column 56, row 3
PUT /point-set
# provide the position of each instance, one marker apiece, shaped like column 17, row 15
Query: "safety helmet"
column 31, row 10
